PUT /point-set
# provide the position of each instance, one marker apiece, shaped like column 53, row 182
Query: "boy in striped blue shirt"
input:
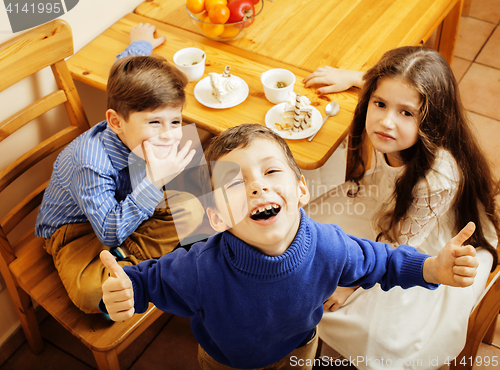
column 101, row 195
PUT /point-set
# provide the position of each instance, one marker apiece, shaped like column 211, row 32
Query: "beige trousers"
column 75, row 248
column 300, row 359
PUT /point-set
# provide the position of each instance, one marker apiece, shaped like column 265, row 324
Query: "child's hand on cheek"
column 117, row 292
column 455, row 265
column 145, row 32
column 161, row 171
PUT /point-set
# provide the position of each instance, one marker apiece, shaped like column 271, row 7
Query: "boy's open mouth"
column 265, row 212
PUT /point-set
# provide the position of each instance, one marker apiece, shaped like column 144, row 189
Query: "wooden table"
column 92, row 63
column 294, row 34
column 351, row 34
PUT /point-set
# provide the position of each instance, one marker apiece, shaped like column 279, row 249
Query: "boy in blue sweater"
column 255, row 291
column 100, row 195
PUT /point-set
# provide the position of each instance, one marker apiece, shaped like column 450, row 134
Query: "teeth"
column 262, row 209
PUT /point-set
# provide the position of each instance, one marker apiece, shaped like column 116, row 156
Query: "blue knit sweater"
column 250, row 310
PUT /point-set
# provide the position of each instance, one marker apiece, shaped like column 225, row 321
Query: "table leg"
column 466, row 7
column 449, row 32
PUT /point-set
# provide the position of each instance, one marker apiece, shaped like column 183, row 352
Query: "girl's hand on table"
column 335, row 79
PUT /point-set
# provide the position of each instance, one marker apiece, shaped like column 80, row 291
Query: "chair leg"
column 466, row 7
column 29, row 323
column 24, row 309
column 30, row 326
column 107, row 360
column 490, row 334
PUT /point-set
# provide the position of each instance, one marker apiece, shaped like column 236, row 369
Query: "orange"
column 212, row 30
column 219, row 13
column 230, row 32
column 196, row 6
column 210, row 3
column 203, row 18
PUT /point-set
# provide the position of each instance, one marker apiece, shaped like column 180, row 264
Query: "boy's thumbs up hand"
column 117, row 292
column 456, row 264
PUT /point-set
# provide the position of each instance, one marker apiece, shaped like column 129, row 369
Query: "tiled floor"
column 477, row 68
column 169, row 343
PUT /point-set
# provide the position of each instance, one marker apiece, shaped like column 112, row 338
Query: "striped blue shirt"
column 93, row 181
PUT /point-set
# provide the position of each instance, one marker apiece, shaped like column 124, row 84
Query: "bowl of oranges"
column 224, row 20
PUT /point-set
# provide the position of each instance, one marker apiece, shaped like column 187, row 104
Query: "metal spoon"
column 331, row 109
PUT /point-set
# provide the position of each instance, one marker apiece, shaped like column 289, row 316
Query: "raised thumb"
column 109, row 261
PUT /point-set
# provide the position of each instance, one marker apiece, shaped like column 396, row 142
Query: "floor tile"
column 480, row 90
column 175, row 348
column 472, row 34
column 488, row 358
column 488, row 131
column 136, row 349
column 459, row 66
column 488, row 10
column 490, row 54
column 54, row 333
column 50, row 358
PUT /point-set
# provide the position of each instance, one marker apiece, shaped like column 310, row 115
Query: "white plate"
column 275, row 115
column 203, row 93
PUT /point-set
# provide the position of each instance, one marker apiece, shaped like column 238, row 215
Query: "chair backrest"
column 20, row 57
column 28, row 270
column 482, row 322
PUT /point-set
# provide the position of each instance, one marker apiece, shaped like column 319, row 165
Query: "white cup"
column 270, row 81
column 191, row 61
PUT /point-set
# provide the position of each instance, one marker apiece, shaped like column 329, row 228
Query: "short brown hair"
column 141, row 83
column 240, row 137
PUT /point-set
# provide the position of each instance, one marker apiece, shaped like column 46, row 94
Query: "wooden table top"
column 350, row 34
column 92, row 63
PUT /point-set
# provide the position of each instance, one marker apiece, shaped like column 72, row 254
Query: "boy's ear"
column 304, row 195
column 216, row 221
column 115, row 121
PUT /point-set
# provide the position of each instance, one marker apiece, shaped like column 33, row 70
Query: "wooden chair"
column 482, row 323
column 27, row 269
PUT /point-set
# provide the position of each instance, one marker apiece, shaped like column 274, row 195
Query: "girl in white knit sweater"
column 428, row 179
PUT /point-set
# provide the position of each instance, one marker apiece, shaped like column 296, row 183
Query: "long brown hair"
column 443, row 124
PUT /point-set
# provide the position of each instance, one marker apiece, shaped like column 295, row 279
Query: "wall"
column 88, row 19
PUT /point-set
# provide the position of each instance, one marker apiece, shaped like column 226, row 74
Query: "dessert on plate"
column 224, row 86
column 298, row 112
